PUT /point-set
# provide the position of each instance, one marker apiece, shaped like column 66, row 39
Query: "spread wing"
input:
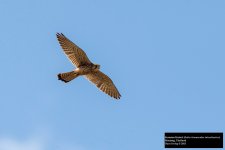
column 104, row 83
column 76, row 55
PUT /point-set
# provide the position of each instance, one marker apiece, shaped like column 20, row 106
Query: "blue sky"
column 165, row 57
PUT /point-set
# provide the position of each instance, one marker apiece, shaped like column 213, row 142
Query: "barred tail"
column 67, row 76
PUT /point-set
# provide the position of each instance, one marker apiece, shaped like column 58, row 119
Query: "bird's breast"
column 83, row 70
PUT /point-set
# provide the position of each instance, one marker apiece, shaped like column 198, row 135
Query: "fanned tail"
column 67, row 76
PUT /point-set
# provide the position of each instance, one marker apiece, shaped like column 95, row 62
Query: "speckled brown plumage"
column 85, row 67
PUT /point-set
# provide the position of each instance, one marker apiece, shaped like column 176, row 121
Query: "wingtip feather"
column 60, row 35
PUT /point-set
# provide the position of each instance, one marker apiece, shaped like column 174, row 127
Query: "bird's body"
column 85, row 68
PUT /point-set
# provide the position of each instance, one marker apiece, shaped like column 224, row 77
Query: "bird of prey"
column 85, row 67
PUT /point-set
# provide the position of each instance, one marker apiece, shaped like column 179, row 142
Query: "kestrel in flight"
column 85, row 67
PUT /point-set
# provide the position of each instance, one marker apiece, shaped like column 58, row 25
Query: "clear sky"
column 166, row 57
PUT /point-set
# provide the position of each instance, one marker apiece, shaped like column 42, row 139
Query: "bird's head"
column 96, row 66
